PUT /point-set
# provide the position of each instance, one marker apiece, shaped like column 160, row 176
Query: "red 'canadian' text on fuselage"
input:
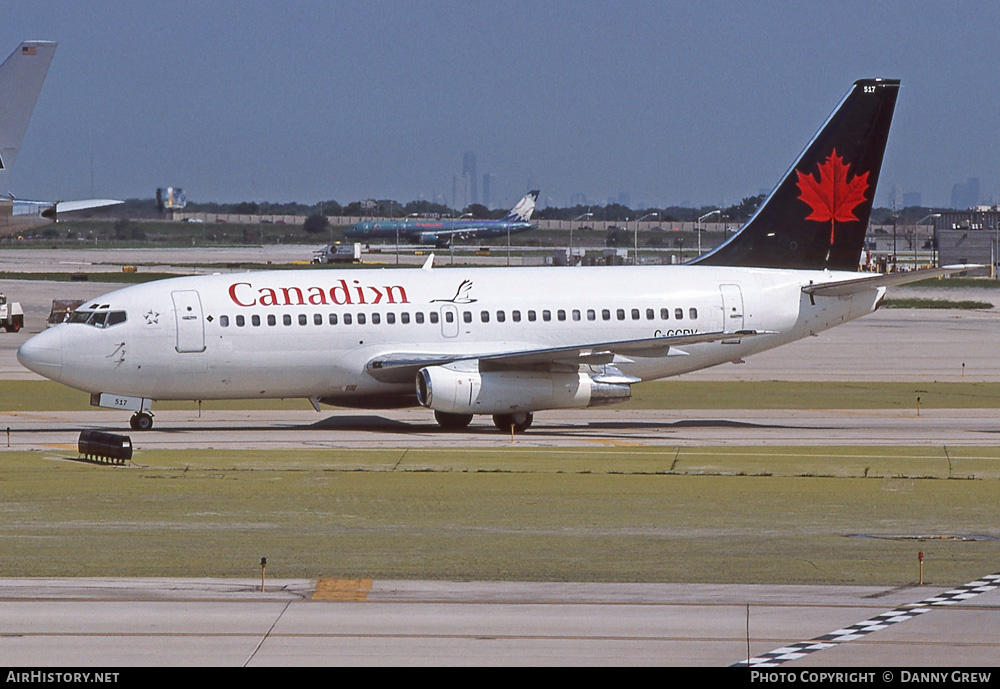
column 245, row 294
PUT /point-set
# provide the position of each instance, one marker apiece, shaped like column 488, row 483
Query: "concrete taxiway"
column 415, row 428
column 118, row 623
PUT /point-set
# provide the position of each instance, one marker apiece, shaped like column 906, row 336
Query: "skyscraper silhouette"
column 469, row 173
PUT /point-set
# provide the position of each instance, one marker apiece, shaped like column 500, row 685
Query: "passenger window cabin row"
column 500, row 316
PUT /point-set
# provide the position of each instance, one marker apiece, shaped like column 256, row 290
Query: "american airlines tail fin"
column 21, row 77
column 524, row 208
column 818, row 214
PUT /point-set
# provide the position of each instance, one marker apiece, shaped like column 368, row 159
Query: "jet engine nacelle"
column 501, row 392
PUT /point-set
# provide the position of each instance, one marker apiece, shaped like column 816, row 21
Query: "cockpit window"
column 98, row 319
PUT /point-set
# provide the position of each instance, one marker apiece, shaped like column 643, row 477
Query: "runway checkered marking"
column 857, row 631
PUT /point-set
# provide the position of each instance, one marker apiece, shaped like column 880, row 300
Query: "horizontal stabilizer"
column 845, row 288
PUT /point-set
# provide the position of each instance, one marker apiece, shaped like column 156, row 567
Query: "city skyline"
column 664, row 103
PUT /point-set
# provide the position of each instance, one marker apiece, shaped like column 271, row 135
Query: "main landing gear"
column 518, row 421
column 452, row 422
column 141, row 421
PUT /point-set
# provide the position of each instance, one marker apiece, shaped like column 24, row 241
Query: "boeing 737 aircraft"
column 443, row 232
column 507, row 342
column 21, row 77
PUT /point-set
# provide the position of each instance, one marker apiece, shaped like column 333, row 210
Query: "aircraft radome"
column 507, row 342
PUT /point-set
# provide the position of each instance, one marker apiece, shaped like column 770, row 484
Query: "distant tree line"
column 387, row 208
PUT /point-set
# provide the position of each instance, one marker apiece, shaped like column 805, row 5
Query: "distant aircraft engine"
column 453, row 391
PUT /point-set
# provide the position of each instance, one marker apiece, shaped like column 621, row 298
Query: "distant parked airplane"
column 21, row 77
column 443, row 232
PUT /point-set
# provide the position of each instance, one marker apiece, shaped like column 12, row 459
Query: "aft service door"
column 190, row 324
column 732, row 308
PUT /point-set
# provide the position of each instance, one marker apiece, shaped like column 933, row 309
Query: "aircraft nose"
column 43, row 353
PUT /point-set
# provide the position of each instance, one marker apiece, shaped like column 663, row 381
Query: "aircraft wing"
column 69, row 206
column 845, row 288
column 402, row 366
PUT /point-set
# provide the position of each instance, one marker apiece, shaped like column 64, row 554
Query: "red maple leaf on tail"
column 832, row 196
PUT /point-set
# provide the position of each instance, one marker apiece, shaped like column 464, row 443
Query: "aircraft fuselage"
column 314, row 333
column 433, row 231
column 20, row 216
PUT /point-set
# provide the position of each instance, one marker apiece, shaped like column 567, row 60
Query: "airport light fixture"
column 894, row 216
column 697, row 228
column 582, row 216
column 996, row 246
column 411, row 215
column 635, row 258
column 919, row 222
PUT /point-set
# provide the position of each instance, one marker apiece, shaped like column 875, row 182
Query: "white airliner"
column 21, row 78
column 501, row 341
column 443, row 232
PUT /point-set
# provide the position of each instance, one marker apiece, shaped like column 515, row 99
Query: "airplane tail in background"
column 817, row 216
column 21, row 77
column 524, row 208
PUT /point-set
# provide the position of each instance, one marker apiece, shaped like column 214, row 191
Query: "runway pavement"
column 113, row 623
column 415, row 428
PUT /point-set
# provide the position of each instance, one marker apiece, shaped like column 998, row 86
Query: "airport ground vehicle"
column 61, row 310
column 11, row 314
column 338, row 253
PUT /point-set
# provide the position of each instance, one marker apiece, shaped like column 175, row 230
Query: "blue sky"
column 671, row 102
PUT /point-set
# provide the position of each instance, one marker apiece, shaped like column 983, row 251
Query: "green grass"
column 781, row 515
column 31, row 395
column 112, row 277
column 689, row 394
column 955, row 283
column 138, row 277
column 920, row 303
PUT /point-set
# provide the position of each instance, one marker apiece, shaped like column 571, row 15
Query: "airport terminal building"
column 969, row 236
column 946, row 237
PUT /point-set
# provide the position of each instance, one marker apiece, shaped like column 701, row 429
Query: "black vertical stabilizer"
column 818, row 214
